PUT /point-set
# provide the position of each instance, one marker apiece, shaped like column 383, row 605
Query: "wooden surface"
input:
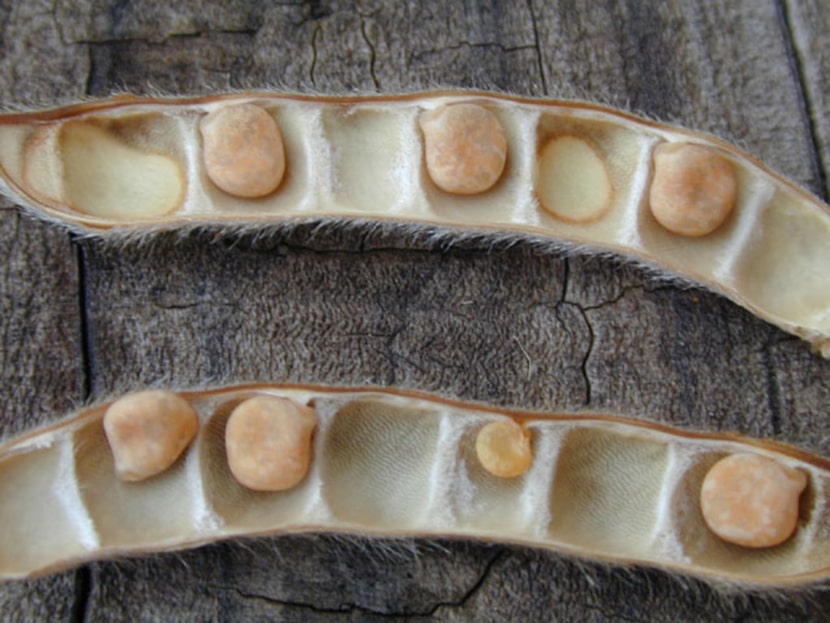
column 80, row 319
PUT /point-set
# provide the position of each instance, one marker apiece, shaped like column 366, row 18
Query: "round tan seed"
column 465, row 147
column 503, row 448
column 243, row 150
column 752, row 500
column 147, row 431
column 693, row 190
column 268, row 441
column 573, row 182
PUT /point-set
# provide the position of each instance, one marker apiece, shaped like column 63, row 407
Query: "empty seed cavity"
column 465, row 147
column 503, row 448
column 752, row 500
column 694, row 189
column 243, row 150
column 573, row 181
column 147, row 431
column 268, row 442
column 392, row 462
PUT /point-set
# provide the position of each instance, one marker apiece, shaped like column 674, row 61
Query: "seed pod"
column 389, row 462
column 596, row 178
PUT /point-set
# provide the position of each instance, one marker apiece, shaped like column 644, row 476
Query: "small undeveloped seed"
column 503, row 448
column 573, row 183
column 268, row 441
column 752, row 500
column 693, row 190
column 147, row 431
column 465, row 147
column 243, row 150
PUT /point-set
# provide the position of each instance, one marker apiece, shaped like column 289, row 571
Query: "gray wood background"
column 81, row 319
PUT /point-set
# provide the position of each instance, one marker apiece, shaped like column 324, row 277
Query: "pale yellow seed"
column 503, row 448
column 268, row 442
column 752, row 500
column 465, row 146
column 108, row 178
column 243, row 150
column 573, row 183
column 147, row 431
column 694, row 188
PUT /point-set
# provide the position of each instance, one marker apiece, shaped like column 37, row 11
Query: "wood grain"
column 474, row 320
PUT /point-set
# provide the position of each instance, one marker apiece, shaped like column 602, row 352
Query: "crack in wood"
column 424, row 54
column 774, row 394
column 538, row 47
column 808, row 107
column 588, row 351
column 162, row 40
column 81, row 595
column 350, row 608
column 314, row 35
column 372, row 54
column 86, row 341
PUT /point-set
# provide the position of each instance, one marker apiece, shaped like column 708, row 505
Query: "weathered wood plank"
column 509, row 326
column 42, row 372
column 383, row 317
column 809, row 22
